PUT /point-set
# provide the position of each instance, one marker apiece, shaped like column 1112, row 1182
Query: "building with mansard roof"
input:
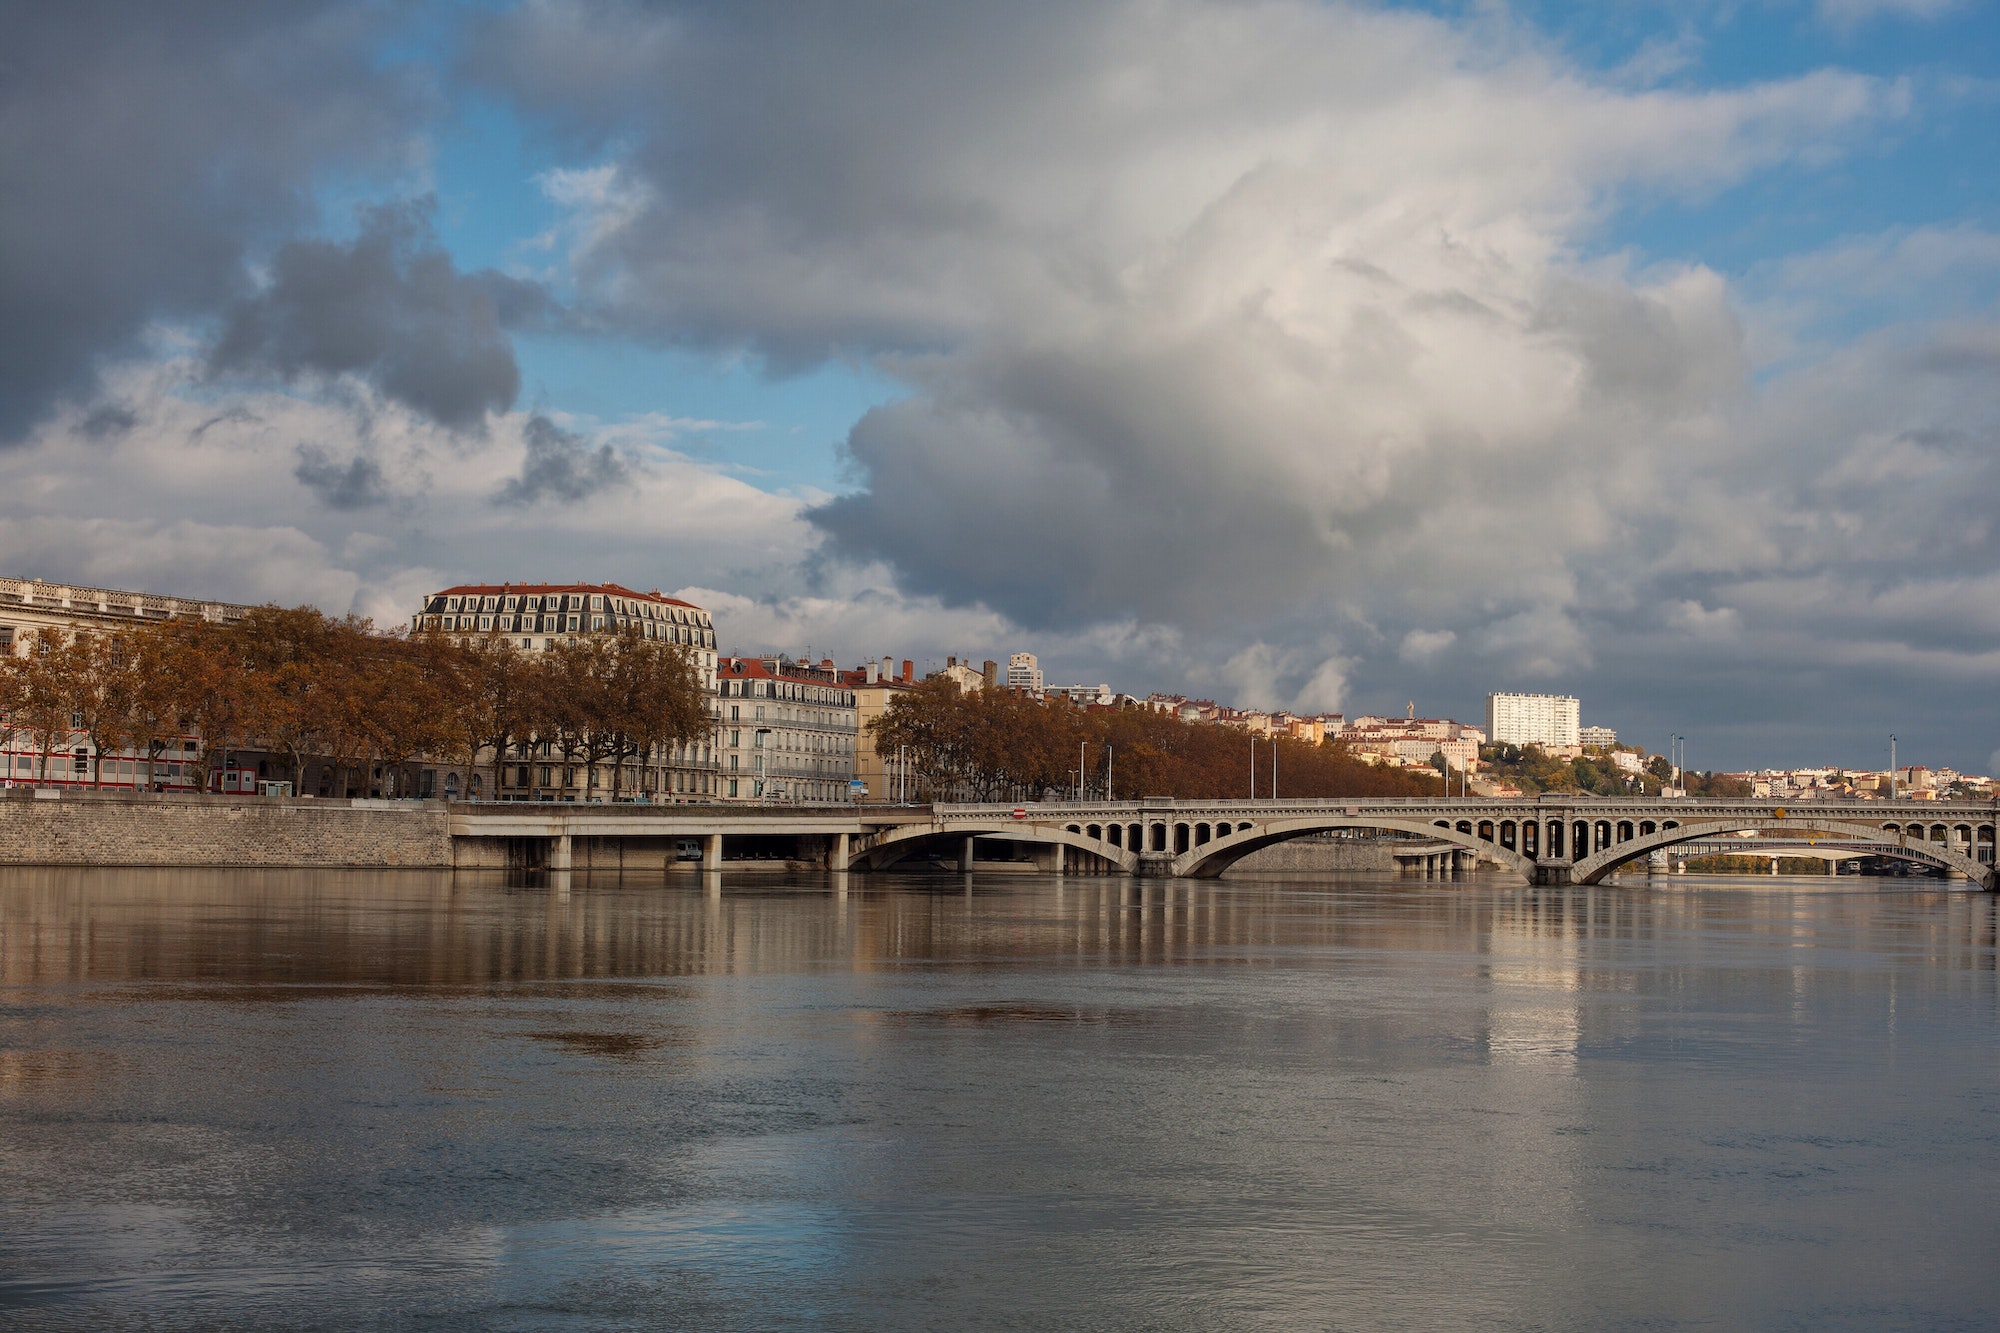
column 534, row 617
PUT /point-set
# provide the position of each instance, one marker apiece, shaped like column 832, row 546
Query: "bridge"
column 1550, row 840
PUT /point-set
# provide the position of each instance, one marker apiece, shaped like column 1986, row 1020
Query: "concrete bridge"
column 1552, row 840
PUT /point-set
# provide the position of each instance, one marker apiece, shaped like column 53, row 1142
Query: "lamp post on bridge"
column 1892, row 766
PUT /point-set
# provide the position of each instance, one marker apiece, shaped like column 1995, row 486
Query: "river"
column 331, row 1100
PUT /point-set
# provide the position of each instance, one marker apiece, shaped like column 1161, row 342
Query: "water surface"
column 416, row 1101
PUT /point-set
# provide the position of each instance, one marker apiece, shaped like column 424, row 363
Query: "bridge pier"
column 838, row 859
column 711, row 852
column 559, row 852
column 965, row 856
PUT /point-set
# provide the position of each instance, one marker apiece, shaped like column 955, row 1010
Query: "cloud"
column 561, row 465
column 391, row 308
column 1299, row 334
column 149, row 149
column 1852, row 13
column 383, row 500
column 357, row 484
column 1206, row 315
column 1423, row 645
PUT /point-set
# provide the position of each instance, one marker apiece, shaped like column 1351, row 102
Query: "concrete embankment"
column 82, row 828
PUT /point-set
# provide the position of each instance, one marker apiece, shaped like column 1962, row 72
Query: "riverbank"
column 53, row 827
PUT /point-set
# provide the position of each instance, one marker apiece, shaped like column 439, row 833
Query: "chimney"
column 950, row 662
column 909, row 670
column 873, row 669
column 991, row 670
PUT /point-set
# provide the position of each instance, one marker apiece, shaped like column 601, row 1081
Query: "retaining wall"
column 147, row 829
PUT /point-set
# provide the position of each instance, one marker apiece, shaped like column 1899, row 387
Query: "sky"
column 1309, row 355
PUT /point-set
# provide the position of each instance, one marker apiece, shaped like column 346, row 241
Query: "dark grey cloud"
column 146, row 149
column 561, row 465
column 355, row 484
column 391, row 307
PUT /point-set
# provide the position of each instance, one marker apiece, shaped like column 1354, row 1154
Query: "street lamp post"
column 1107, row 770
column 1892, row 767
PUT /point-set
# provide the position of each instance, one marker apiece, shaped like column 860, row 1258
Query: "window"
column 732, row 786
column 597, row 622
column 573, row 624
column 736, row 712
column 736, row 738
column 547, row 773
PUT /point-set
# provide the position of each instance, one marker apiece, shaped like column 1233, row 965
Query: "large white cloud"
column 1291, row 330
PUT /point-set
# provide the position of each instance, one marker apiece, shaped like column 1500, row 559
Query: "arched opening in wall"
column 1243, row 827
column 1159, row 837
column 1507, row 838
column 1530, row 837
column 1486, row 830
column 1624, row 830
column 1115, row 834
column 1095, row 831
column 1985, row 847
column 1647, row 828
column 1556, row 838
column 1579, row 840
column 1135, row 837
column 1937, row 833
column 1182, row 838
column 1603, row 835
column 1201, row 835
column 1465, row 826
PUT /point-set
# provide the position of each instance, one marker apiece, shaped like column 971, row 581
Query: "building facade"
column 880, row 777
column 1547, row 720
column 534, row 617
column 31, row 605
column 785, row 731
column 1024, row 673
column 1602, row 737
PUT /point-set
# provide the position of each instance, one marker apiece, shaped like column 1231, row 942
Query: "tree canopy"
column 999, row 745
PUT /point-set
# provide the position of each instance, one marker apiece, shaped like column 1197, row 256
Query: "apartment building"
column 786, row 731
column 1024, row 673
column 1547, row 720
column 877, row 776
column 30, row 605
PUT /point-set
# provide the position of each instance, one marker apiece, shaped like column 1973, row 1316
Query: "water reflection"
column 852, row 1101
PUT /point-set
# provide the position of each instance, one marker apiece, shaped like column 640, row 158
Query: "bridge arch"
column 1594, row 868
column 1211, row 859
column 892, row 847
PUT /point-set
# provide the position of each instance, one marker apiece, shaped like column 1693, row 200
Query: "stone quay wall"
column 82, row 828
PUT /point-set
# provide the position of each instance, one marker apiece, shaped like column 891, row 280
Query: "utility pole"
column 1274, row 768
column 1107, row 770
column 1079, row 769
column 1892, row 767
column 1253, row 765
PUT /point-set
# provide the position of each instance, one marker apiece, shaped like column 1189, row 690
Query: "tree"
column 103, row 694
column 657, row 699
column 42, row 691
